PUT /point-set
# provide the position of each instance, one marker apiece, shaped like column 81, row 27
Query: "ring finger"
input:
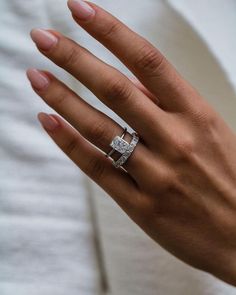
column 94, row 125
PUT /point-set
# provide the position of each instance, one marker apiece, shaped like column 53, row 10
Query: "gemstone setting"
column 128, row 152
column 119, row 144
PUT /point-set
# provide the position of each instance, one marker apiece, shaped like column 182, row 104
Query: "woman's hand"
column 179, row 185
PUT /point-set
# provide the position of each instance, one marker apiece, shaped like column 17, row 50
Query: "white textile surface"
column 51, row 215
column 46, row 234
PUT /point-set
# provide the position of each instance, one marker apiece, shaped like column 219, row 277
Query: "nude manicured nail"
column 81, row 9
column 37, row 79
column 48, row 122
column 43, row 39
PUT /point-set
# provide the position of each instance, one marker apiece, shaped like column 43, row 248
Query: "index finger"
column 140, row 56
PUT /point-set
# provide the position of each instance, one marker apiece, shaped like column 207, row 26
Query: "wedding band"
column 123, row 147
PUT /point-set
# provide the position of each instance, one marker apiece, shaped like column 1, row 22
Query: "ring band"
column 123, row 147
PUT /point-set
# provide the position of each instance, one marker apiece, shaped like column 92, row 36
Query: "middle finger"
column 112, row 87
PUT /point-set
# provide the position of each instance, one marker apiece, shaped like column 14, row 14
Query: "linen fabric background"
column 59, row 232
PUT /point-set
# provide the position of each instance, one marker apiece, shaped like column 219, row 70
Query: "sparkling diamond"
column 119, row 145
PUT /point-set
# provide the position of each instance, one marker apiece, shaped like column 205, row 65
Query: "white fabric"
column 46, row 234
column 50, row 214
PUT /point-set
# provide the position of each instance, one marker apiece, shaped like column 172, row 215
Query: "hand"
column 179, row 185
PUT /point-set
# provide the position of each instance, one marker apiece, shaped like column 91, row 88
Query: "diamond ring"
column 123, row 147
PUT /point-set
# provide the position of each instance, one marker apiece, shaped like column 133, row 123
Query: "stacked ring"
column 123, row 147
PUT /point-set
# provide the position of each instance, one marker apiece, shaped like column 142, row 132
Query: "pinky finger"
column 116, row 182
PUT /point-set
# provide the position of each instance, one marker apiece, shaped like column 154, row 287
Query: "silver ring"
column 123, row 147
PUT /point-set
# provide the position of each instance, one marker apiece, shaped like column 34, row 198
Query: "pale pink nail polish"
column 48, row 122
column 81, row 9
column 43, row 39
column 37, row 79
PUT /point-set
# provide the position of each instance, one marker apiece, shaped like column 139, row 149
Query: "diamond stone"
column 119, row 144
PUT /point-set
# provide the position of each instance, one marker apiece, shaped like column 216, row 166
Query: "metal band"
column 128, row 152
column 113, row 149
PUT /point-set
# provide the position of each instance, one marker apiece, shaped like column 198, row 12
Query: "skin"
column 179, row 185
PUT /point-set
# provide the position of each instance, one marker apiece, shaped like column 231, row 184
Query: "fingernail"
column 81, row 9
column 48, row 122
column 37, row 79
column 43, row 39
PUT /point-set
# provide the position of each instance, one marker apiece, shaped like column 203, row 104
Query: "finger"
column 141, row 87
column 117, row 183
column 92, row 124
column 107, row 83
column 141, row 57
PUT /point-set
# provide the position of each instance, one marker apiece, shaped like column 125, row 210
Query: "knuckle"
column 184, row 147
column 162, row 183
column 165, row 183
column 70, row 58
column 95, row 168
column 209, row 120
column 204, row 115
column 58, row 99
column 108, row 32
column 149, row 59
column 71, row 146
column 97, row 133
column 117, row 91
